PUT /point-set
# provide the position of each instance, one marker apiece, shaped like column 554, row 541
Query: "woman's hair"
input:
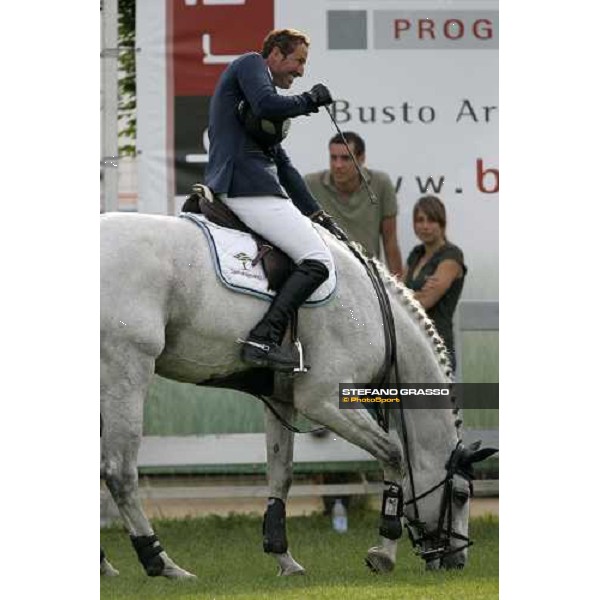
column 433, row 208
column 284, row 39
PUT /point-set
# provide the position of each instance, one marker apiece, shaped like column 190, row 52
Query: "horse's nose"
column 454, row 561
column 432, row 565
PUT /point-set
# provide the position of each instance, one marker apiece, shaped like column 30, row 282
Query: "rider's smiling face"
column 286, row 68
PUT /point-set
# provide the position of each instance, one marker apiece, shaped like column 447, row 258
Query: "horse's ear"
column 474, row 453
column 482, row 454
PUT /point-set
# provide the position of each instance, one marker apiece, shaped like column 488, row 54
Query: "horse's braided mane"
column 417, row 312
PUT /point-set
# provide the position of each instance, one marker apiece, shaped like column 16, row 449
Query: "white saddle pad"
column 232, row 252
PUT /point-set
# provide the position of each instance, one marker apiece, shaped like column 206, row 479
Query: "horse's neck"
column 418, row 359
column 432, row 433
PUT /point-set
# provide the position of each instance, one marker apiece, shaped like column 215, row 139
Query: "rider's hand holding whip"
column 321, row 96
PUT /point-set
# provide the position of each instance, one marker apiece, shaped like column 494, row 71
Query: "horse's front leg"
column 280, row 454
column 382, row 558
column 320, row 404
column 356, row 426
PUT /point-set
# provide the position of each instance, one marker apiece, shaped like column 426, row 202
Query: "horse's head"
column 438, row 519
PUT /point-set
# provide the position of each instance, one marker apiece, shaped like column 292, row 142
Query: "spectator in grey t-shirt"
column 341, row 193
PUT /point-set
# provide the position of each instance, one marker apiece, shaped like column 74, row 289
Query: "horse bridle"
column 441, row 538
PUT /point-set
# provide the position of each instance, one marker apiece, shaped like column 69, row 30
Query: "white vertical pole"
column 154, row 165
column 110, row 94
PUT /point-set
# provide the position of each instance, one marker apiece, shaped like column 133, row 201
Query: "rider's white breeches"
column 281, row 223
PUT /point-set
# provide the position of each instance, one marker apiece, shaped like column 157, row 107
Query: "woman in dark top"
column 435, row 269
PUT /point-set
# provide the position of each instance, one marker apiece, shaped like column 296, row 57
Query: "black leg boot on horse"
column 263, row 348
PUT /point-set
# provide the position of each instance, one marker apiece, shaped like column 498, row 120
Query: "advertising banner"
column 418, row 80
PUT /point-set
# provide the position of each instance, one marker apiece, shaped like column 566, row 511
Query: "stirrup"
column 290, row 369
column 302, row 368
column 271, row 356
column 294, row 339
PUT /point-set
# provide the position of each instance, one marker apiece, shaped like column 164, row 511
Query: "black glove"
column 324, row 220
column 320, row 96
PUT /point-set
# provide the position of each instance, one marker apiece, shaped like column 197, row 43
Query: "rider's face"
column 286, row 68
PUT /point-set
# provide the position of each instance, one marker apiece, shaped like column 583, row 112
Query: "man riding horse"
column 250, row 172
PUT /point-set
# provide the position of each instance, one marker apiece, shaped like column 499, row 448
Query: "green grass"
column 227, row 557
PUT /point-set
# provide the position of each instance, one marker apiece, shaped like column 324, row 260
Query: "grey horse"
column 164, row 311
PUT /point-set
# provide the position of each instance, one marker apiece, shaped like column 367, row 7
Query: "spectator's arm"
column 439, row 283
column 390, row 245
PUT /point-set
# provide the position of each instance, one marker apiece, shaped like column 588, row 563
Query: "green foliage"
column 226, row 555
column 127, row 95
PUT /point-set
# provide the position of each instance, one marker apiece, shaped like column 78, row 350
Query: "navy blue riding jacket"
column 237, row 165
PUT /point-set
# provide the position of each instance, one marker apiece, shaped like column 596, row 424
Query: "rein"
column 389, row 333
column 442, row 537
column 287, row 425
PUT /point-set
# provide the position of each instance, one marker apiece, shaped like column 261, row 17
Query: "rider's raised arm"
column 257, row 87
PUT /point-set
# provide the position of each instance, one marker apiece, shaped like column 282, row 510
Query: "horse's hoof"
column 287, row 565
column 291, row 570
column 175, row 572
column 171, row 570
column 378, row 561
column 107, row 569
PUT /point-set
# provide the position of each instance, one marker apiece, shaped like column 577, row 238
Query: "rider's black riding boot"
column 262, row 347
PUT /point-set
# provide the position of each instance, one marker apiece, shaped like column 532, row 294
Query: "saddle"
column 276, row 264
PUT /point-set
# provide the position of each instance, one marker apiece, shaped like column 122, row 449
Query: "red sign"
column 204, row 36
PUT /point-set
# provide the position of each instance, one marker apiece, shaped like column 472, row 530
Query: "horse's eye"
column 460, row 497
